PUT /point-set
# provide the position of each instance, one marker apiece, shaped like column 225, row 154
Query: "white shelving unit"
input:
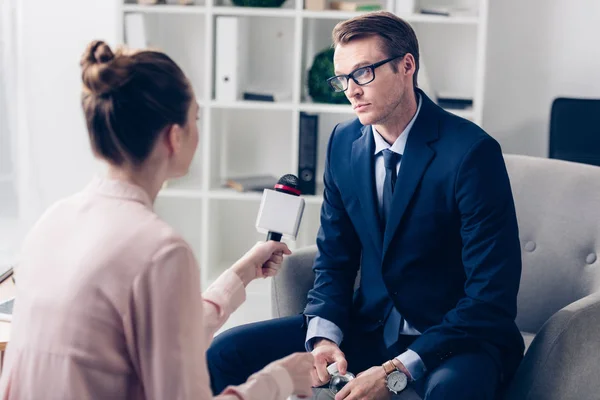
column 254, row 137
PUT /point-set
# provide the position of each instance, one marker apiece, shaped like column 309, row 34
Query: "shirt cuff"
column 413, row 364
column 322, row 328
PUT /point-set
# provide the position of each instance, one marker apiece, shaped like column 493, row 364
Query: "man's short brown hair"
column 398, row 37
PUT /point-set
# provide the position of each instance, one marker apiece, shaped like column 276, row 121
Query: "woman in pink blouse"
column 108, row 295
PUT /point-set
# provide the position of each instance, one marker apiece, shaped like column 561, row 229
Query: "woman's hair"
column 129, row 98
column 398, row 37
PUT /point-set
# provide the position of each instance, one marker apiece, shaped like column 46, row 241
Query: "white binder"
column 230, row 56
column 135, row 31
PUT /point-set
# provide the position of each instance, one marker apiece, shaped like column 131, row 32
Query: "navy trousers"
column 239, row 352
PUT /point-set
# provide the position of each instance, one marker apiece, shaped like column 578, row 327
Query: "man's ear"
column 408, row 64
column 173, row 138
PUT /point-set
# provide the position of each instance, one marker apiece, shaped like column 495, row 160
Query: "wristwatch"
column 395, row 380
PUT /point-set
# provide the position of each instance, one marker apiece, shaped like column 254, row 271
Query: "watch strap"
column 388, row 367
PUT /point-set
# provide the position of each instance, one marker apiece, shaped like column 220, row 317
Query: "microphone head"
column 288, row 184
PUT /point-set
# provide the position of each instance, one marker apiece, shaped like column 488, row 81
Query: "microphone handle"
column 274, row 236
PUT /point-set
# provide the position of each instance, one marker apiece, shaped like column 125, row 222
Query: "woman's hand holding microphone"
column 261, row 261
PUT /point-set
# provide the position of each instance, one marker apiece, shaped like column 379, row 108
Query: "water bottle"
column 338, row 381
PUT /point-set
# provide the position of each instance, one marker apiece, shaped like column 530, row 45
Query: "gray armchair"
column 558, row 209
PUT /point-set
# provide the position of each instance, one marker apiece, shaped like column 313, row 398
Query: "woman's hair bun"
column 102, row 71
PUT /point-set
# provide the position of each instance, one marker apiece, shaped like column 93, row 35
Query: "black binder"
column 307, row 152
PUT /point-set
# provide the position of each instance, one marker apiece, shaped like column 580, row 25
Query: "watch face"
column 396, row 381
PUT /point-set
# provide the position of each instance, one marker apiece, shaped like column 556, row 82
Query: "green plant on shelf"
column 318, row 88
column 258, row 3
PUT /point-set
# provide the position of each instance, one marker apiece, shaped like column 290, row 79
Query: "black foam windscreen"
column 289, row 180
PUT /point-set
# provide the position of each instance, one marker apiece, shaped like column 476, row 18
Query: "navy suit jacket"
column 450, row 255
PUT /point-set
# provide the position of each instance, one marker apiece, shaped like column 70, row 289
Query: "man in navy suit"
column 419, row 200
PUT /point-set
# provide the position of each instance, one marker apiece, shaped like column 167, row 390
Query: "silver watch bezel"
column 401, row 375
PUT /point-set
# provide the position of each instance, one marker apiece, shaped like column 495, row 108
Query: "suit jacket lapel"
column 415, row 160
column 364, row 175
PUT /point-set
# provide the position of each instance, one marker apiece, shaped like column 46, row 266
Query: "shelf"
column 181, row 193
column 254, row 11
column 252, row 105
column 164, row 9
column 326, row 108
column 440, row 19
column 288, row 12
column 313, row 198
column 231, row 194
column 275, row 50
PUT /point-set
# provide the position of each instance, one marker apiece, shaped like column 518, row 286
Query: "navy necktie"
column 390, row 160
column 393, row 320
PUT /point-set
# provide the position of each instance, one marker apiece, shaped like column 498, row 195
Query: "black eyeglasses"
column 361, row 76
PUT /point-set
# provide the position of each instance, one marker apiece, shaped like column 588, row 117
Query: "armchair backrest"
column 558, row 211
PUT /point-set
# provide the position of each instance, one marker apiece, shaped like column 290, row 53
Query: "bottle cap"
column 333, row 369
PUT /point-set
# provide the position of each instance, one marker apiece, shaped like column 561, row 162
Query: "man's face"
column 376, row 101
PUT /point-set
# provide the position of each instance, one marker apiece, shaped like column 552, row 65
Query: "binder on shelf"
column 135, row 31
column 307, row 152
column 230, row 56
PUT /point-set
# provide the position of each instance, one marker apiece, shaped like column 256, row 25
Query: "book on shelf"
column 355, row 5
column 449, row 11
column 315, row 5
column 255, row 94
column 252, row 183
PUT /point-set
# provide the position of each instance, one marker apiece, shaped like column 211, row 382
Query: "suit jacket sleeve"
column 338, row 255
column 484, row 317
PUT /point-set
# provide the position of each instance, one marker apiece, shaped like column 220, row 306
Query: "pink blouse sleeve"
column 170, row 332
column 221, row 299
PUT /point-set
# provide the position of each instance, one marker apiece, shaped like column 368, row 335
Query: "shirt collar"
column 119, row 189
column 400, row 143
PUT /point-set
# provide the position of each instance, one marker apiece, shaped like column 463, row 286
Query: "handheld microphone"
column 281, row 209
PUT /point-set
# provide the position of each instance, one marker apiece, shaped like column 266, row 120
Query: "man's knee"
column 224, row 349
column 465, row 377
column 248, row 348
column 453, row 389
column 228, row 361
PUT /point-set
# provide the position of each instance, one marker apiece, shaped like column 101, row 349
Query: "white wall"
column 54, row 157
column 538, row 50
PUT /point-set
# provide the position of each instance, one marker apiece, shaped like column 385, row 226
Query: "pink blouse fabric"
column 109, row 306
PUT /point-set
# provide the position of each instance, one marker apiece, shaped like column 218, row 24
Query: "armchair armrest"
column 290, row 287
column 562, row 361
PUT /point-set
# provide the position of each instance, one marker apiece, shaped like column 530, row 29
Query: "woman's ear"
column 173, row 138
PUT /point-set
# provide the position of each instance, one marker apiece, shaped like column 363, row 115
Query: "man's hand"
column 326, row 352
column 368, row 385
